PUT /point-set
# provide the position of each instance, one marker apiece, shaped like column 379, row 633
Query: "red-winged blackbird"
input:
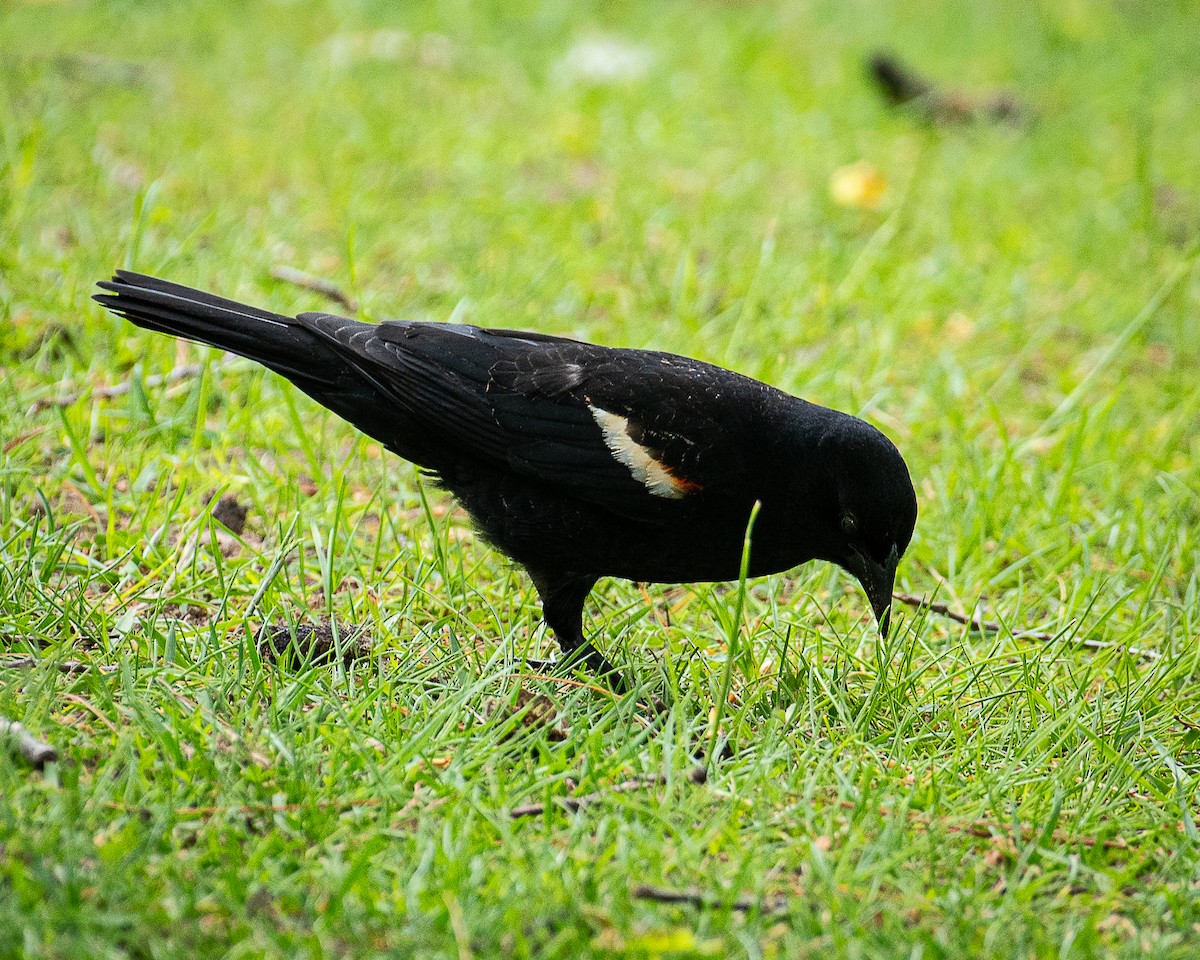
column 581, row 461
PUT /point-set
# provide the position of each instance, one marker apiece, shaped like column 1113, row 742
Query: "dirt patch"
column 315, row 643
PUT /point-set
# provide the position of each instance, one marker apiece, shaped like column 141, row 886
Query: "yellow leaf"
column 859, row 185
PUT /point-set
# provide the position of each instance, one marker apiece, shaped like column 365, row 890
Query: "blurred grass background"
column 1018, row 311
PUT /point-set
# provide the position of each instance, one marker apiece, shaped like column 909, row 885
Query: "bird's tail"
column 280, row 343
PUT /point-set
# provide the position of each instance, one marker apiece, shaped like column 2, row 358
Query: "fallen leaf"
column 860, row 186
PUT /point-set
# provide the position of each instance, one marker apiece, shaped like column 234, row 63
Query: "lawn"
column 1014, row 303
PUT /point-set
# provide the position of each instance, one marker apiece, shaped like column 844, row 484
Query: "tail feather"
column 341, row 363
column 276, row 341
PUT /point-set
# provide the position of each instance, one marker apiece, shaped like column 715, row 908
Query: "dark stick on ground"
column 34, row 751
column 697, row 775
column 904, row 87
column 306, row 281
column 980, row 625
column 708, row 901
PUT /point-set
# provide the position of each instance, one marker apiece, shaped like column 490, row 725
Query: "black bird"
column 580, row 461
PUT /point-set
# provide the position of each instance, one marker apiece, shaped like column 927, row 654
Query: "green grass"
column 1020, row 315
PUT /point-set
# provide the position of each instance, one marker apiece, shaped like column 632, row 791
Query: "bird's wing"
column 631, row 424
column 633, row 430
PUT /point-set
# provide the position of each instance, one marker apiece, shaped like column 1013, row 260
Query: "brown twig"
column 20, row 438
column 977, row 623
column 186, row 372
column 64, row 666
column 36, row 752
column 306, row 281
column 697, row 775
column 705, row 901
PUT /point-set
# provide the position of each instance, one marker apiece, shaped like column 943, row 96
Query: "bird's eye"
column 849, row 524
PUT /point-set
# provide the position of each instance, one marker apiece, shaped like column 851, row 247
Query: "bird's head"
column 870, row 508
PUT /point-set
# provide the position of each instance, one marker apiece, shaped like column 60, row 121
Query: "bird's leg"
column 563, row 596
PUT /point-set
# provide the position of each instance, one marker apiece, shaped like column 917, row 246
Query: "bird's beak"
column 877, row 580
